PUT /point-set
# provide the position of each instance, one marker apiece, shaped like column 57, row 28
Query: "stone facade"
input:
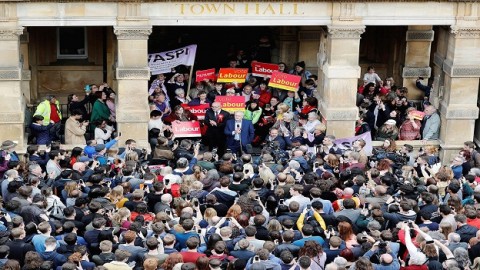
column 329, row 40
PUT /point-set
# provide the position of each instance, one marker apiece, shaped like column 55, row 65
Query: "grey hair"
column 212, row 174
column 32, row 167
column 313, row 114
column 12, row 173
column 461, row 256
column 179, row 91
column 475, row 171
column 454, row 237
column 418, row 259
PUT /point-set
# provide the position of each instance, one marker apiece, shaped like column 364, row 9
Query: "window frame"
column 73, row 56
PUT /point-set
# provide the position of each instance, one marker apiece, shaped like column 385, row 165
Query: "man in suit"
column 215, row 119
column 239, row 133
column 431, row 124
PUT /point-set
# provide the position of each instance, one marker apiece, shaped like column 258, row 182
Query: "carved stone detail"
column 347, row 12
column 26, row 75
column 420, row 35
column 346, row 32
column 466, row 32
column 438, row 60
column 13, row 74
column 10, row 34
column 133, row 73
column 460, row 71
column 415, row 72
column 460, row 111
column 133, row 33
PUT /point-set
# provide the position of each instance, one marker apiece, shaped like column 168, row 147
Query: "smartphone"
column 199, row 231
column 87, row 88
column 309, row 206
column 268, row 106
column 365, row 205
column 281, row 201
column 195, row 203
column 256, row 259
column 228, row 219
column 257, row 197
column 120, row 134
column 247, row 171
column 167, row 181
column 164, row 221
column 188, row 197
column 168, row 212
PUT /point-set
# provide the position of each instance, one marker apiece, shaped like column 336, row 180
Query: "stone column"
column 132, row 75
column 458, row 107
column 12, row 102
column 26, row 73
column 338, row 61
column 417, row 58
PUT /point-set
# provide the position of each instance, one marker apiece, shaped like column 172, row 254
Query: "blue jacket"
column 246, row 135
column 42, row 133
column 90, row 150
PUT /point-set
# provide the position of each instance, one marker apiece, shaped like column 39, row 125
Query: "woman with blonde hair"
column 121, row 218
column 266, row 174
column 432, row 153
column 116, row 196
column 274, row 225
column 445, row 228
column 282, row 108
column 209, row 214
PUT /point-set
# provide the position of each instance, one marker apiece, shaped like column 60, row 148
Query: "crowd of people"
column 299, row 202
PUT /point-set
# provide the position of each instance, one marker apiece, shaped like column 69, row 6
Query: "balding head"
column 166, row 198
column 386, row 258
column 79, row 166
column 348, row 191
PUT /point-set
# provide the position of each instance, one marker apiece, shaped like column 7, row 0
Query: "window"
column 71, row 43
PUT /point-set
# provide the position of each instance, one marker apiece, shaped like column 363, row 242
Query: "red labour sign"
column 263, row 69
column 186, row 129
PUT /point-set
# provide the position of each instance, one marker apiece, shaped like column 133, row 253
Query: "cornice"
column 10, row 34
column 466, row 32
column 132, row 32
column 346, row 31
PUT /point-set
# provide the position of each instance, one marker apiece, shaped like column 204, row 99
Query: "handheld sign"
column 208, row 74
column 284, row 81
column 197, row 110
column 231, row 103
column 232, row 75
column 263, row 69
column 186, row 129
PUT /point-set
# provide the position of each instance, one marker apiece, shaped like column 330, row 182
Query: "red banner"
column 284, row 81
column 198, row 110
column 232, row 75
column 263, row 69
column 208, row 74
column 231, row 103
column 186, row 129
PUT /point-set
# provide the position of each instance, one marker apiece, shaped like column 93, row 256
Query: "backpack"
column 55, row 211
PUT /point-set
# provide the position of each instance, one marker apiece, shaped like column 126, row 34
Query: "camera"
column 382, row 247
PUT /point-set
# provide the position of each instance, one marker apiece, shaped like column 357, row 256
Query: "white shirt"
column 157, row 123
column 302, row 200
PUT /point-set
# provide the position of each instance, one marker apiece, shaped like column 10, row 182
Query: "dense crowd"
column 264, row 188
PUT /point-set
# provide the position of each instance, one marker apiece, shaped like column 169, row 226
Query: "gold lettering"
column 212, row 7
column 246, row 8
column 295, row 9
column 269, row 9
column 281, row 9
column 197, row 9
column 182, row 9
column 231, row 8
column 257, row 7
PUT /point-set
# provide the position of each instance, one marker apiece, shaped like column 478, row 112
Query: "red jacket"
column 264, row 98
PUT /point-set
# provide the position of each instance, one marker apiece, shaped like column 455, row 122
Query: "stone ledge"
column 420, row 35
column 341, row 72
column 415, row 72
column 11, row 118
column 460, row 71
column 132, row 73
column 10, row 74
column 10, row 34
